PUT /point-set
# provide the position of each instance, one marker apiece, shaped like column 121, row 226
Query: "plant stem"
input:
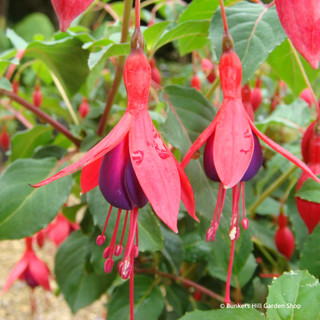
column 212, row 88
column 58, row 126
column 184, row 281
column 305, row 78
column 276, row 184
column 119, row 69
column 224, row 17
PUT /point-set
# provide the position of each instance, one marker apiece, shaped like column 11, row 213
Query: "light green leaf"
column 309, row 191
column 153, row 33
column 5, row 84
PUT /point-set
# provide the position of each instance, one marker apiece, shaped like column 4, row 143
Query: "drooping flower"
column 256, row 95
column 29, row 269
column 4, row 139
column 60, row 228
column 233, row 153
column 68, row 10
column 195, row 82
column 132, row 165
column 310, row 145
column 306, row 95
column 300, row 20
column 155, row 72
column 37, row 96
column 284, row 238
column 84, row 108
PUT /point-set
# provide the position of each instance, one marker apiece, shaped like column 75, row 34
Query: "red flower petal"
column 233, row 144
column 155, row 169
column 300, row 20
column 187, row 195
column 39, row 271
column 90, row 176
column 68, row 10
column 200, row 141
column 284, row 152
column 16, row 272
column 99, row 150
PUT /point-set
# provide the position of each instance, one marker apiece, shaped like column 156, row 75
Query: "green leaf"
column 309, row 191
column 23, row 209
column 244, row 264
column 183, row 30
column 225, row 314
column 189, row 113
column 311, row 253
column 178, row 298
column 5, row 84
column 297, row 296
column 35, row 24
column 24, row 143
column 111, row 50
column 65, row 58
column 190, row 44
column 16, row 40
column 148, row 300
column 283, row 62
column 255, row 29
column 152, row 34
column 199, row 10
column 150, row 237
column 77, row 281
column 172, row 249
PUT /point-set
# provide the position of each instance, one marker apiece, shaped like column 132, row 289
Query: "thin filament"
column 106, row 223
column 137, row 12
column 124, row 228
column 224, row 17
column 132, row 287
column 114, row 236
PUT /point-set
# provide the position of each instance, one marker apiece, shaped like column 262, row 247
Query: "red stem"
column 132, row 287
column 42, row 115
column 28, row 241
column 184, row 281
column 137, row 11
column 224, row 17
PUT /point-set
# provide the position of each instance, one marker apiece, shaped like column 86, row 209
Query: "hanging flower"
column 132, row 165
column 29, row 269
column 233, row 153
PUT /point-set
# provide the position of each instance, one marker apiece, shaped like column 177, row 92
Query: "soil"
column 15, row 303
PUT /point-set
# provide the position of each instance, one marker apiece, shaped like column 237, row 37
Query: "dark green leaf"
column 78, row 283
column 309, row 191
column 178, row 299
column 71, row 212
column 255, row 29
column 24, row 143
column 283, row 62
column 148, row 300
column 311, row 253
column 196, row 247
column 225, row 314
column 297, row 294
column 23, row 209
column 49, row 151
column 172, row 249
column 65, row 58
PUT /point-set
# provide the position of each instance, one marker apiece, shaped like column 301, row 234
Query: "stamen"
column 136, row 246
column 119, row 247
column 108, row 265
column 125, row 266
column 244, row 221
column 101, row 239
column 132, row 288
column 227, row 295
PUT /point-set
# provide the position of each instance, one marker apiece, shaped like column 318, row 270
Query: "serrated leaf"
column 311, row 253
column 297, row 294
column 148, row 300
column 152, row 34
column 78, row 283
column 183, row 30
column 283, row 62
column 200, row 10
column 5, row 84
column 225, row 314
column 24, row 143
column 309, row 191
column 23, row 209
column 65, row 58
column 111, row 50
column 255, row 29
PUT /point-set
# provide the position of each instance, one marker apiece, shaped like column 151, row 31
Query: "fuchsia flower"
column 68, row 10
column 132, row 166
column 60, row 228
column 29, row 269
column 233, row 153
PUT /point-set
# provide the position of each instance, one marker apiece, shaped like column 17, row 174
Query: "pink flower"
column 29, row 269
column 233, row 153
column 132, row 166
